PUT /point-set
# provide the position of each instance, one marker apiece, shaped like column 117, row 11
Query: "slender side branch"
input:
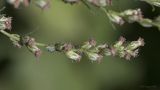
column 131, row 16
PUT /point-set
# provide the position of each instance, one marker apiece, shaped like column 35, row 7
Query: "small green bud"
column 115, row 17
column 120, row 42
column 73, row 55
column 51, row 48
column 94, row 56
column 135, row 44
column 5, row 22
column 89, row 44
column 146, row 22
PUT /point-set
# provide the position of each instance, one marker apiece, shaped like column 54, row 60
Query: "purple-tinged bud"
column 5, row 23
column 35, row 50
column 31, row 42
column 8, row 23
column 135, row 53
column 110, row 51
column 141, row 41
column 16, row 44
column 120, row 42
column 28, row 41
column 89, row 44
column 132, row 15
column 37, row 53
column 109, row 2
column 67, row 46
column 113, row 51
column 135, row 44
column 128, row 56
column 92, row 42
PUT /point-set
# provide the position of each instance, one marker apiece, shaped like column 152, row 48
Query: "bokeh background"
column 75, row 23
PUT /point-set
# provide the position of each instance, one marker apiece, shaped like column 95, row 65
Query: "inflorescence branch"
column 130, row 15
column 89, row 48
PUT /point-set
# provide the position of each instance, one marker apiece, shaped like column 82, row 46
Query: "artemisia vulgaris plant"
column 95, row 52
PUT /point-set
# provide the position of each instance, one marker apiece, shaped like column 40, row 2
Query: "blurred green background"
column 75, row 23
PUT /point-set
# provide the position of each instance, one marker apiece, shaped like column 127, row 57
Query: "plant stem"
column 107, row 13
column 41, row 44
column 14, row 38
column 6, row 33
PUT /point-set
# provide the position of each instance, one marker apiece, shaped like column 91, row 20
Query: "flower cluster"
column 5, row 22
column 43, row 4
column 89, row 48
column 96, row 52
column 125, row 16
column 126, row 51
column 131, row 16
column 30, row 43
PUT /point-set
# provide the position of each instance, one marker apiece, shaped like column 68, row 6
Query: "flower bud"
column 50, row 48
column 135, row 53
column 135, row 44
column 73, row 55
column 5, row 22
column 35, row 50
column 28, row 41
column 128, row 56
column 37, row 53
column 114, row 17
column 94, row 56
column 16, row 44
column 67, row 46
column 89, row 44
column 120, row 42
column 110, row 51
column 146, row 22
